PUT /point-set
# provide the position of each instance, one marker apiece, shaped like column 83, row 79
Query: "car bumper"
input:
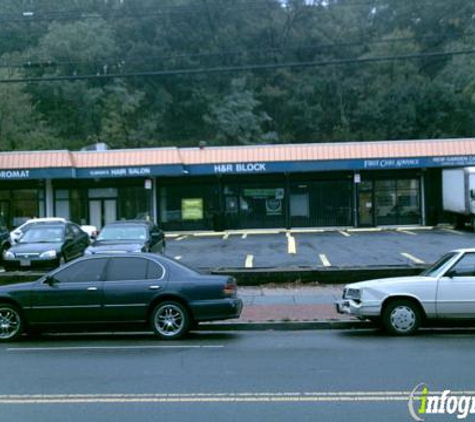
column 357, row 309
column 21, row 264
column 214, row 310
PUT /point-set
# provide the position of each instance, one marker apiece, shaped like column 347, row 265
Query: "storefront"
column 266, row 186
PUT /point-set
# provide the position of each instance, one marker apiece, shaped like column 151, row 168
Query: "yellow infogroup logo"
column 445, row 402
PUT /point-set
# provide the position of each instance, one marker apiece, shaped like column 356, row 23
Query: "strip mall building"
column 215, row 188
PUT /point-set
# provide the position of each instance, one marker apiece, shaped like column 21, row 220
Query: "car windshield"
column 43, row 235
column 119, row 232
column 433, row 270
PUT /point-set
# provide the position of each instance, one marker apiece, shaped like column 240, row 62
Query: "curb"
column 285, row 326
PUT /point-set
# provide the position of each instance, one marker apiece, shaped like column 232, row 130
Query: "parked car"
column 46, row 246
column 15, row 235
column 116, row 290
column 4, row 237
column 445, row 292
column 128, row 236
column 90, row 230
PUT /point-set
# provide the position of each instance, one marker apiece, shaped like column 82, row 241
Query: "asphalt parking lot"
column 316, row 248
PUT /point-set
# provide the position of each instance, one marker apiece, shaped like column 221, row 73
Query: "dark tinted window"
column 127, row 269
column 90, row 270
column 155, row 271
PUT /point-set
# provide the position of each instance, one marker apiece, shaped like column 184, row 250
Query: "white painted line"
column 171, row 235
column 257, row 397
column 346, row 234
column 366, row 229
column 249, row 261
column 325, row 261
column 412, row 258
column 293, row 231
column 244, row 236
column 178, row 257
column 407, row 232
column 68, row 349
column 211, row 234
column 225, row 236
column 265, row 232
column 291, row 246
column 178, row 239
column 453, row 231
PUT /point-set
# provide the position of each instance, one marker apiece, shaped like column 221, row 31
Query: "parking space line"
column 325, row 261
column 249, row 261
column 407, row 232
column 178, row 257
column 244, row 236
column 453, row 231
column 178, row 239
column 412, row 258
column 291, row 247
column 344, row 233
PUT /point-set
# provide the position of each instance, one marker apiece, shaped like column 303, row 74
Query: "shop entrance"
column 102, row 211
column 102, row 206
column 365, row 204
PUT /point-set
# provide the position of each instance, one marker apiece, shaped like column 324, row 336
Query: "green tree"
column 236, row 120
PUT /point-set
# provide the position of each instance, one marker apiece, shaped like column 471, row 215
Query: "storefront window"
column 321, row 203
column 134, row 202
column 190, row 207
column 26, row 204
column 397, row 201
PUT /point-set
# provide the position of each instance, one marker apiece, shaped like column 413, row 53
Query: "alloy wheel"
column 170, row 320
column 10, row 323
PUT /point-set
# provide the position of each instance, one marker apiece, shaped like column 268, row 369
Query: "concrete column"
column 49, row 198
column 154, row 200
column 422, row 194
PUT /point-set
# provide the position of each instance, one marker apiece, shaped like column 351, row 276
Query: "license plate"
column 25, row 262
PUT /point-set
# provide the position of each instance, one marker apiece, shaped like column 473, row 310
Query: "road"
column 251, row 376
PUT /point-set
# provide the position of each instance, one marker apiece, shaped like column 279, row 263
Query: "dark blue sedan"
column 95, row 292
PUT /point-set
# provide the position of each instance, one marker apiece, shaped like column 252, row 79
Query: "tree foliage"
column 374, row 74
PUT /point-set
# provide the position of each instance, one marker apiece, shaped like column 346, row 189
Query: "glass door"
column 102, row 212
column 365, row 204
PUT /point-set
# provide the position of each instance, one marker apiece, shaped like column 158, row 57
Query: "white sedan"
column 443, row 292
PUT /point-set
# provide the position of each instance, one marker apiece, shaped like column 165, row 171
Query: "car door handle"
column 92, row 289
column 153, row 287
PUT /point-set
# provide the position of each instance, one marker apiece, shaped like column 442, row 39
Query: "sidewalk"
column 290, row 303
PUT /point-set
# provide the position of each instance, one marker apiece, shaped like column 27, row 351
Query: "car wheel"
column 11, row 323
column 170, row 320
column 402, row 317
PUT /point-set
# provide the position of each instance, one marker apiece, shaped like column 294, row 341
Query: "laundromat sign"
column 14, row 174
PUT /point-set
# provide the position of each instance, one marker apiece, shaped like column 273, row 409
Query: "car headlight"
column 8, row 255
column 354, row 294
column 48, row 254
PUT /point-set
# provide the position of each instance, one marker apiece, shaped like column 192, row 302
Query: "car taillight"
column 230, row 288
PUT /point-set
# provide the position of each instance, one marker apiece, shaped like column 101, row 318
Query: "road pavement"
column 333, row 376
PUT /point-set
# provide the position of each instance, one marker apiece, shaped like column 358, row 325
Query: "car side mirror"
column 50, row 280
column 451, row 273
